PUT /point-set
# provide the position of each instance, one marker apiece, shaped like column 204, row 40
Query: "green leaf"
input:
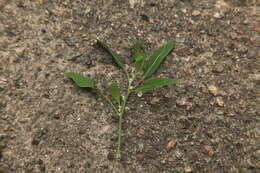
column 157, row 57
column 139, row 56
column 155, row 83
column 81, row 81
column 115, row 92
column 113, row 53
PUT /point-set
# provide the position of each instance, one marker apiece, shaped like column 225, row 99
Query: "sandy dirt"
column 208, row 122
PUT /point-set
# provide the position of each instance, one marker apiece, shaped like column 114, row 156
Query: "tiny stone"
column 155, row 100
column 229, row 53
column 217, row 15
column 3, row 79
column 220, row 101
column 195, row 13
column 127, row 108
column 145, row 17
column 180, row 102
column 139, row 94
column 209, row 150
column 213, row 90
column 188, row 169
column 141, row 132
column 218, row 68
column 178, row 154
column 171, row 144
column 20, row 51
column 110, row 156
column 87, row 60
column 245, row 22
column 184, row 11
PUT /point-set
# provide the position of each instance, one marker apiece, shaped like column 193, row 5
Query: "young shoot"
column 143, row 67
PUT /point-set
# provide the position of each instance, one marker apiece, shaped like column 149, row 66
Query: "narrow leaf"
column 157, row 57
column 113, row 53
column 80, row 80
column 155, row 83
column 139, row 56
column 115, row 92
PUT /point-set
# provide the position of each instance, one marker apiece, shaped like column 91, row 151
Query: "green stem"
column 119, row 140
column 120, row 115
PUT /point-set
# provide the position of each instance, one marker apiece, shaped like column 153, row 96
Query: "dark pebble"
column 110, row 156
column 144, row 17
column 87, row 60
column 36, row 141
column 38, row 136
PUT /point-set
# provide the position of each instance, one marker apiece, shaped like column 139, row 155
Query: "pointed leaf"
column 157, row 57
column 155, row 83
column 80, row 80
column 113, row 53
column 139, row 56
column 115, row 92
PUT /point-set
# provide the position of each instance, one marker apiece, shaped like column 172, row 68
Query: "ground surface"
column 207, row 122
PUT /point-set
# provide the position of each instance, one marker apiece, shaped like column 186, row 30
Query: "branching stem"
column 121, row 114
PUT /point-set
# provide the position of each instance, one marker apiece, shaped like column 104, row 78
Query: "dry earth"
column 207, row 122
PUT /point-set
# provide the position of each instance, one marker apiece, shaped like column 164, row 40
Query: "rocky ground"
column 207, row 122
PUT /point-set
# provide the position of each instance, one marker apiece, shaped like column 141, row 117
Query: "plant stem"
column 119, row 140
column 120, row 115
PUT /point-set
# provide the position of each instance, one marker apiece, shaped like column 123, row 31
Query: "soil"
column 208, row 122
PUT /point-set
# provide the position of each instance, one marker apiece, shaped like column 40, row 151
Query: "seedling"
column 138, row 78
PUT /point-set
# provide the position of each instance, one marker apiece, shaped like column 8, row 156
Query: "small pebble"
column 180, row 102
column 155, row 100
column 220, row 101
column 217, row 15
column 3, row 79
column 188, row 169
column 171, row 144
column 127, row 108
column 20, row 51
column 184, row 11
column 195, row 13
column 218, row 68
column 213, row 90
column 141, row 132
column 139, row 94
column 178, row 154
column 87, row 60
column 145, row 17
column 209, row 150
